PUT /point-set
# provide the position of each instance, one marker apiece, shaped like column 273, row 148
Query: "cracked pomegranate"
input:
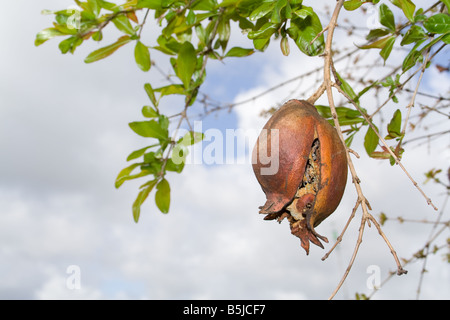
column 311, row 169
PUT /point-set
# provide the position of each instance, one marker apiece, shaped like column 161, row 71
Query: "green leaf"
column 149, row 129
column 265, row 31
column 170, row 89
column 370, row 141
column 412, row 57
column 70, row 44
column 239, row 52
column 123, row 24
column 46, row 34
column 408, row 8
column 191, row 138
column 162, row 196
column 151, row 94
column 324, row 111
column 264, row 9
column 387, row 17
column 149, row 112
column 108, row 50
column 347, row 88
column 304, row 29
column 142, row 56
column 204, row 5
column 172, row 166
column 142, row 196
column 353, row 4
column 284, row 45
column 439, row 23
column 124, row 173
column 447, row 4
column 138, row 153
column 261, row 44
column 379, row 44
column 150, row 4
column 376, row 33
column 446, row 38
column 387, row 49
column 394, row 126
column 414, row 34
column 276, row 13
column 186, row 63
column 223, row 31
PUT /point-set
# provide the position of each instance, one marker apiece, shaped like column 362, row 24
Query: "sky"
column 67, row 233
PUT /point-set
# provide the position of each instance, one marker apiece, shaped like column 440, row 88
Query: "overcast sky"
column 64, row 136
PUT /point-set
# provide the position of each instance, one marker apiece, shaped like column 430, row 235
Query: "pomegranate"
column 311, row 169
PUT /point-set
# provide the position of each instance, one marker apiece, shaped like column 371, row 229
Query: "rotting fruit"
column 311, row 171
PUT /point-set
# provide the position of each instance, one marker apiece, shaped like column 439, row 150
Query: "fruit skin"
column 312, row 169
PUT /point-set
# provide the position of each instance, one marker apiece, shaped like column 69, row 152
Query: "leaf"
column 204, row 5
column 149, row 129
column 284, row 45
column 261, row 44
column 447, row 4
column 123, row 24
column 150, row 4
column 264, row 9
column 370, row 141
column 162, row 196
column 304, row 29
column 149, row 112
column 223, row 31
column 124, row 173
column 408, row 8
column 138, row 153
column 387, row 17
column 376, row 33
column 239, row 52
column 151, row 94
column 191, row 138
column 379, row 44
column 108, row 50
column 439, row 23
column 142, row 56
column 46, row 34
column 276, row 13
column 394, row 126
column 95, row 7
column 142, row 196
column 186, row 63
column 172, row 166
column 352, row 4
column 70, row 44
column 170, row 89
column 347, row 88
column 387, row 49
column 265, row 31
column 412, row 57
column 414, row 34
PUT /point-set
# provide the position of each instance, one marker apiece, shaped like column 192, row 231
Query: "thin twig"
column 388, row 149
column 328, row 84
column 362, row 200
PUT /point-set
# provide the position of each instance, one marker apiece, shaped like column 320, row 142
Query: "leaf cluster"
column 181, row 21
column 194, row 31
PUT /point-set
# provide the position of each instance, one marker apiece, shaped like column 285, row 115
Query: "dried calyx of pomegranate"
column 305, row 175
